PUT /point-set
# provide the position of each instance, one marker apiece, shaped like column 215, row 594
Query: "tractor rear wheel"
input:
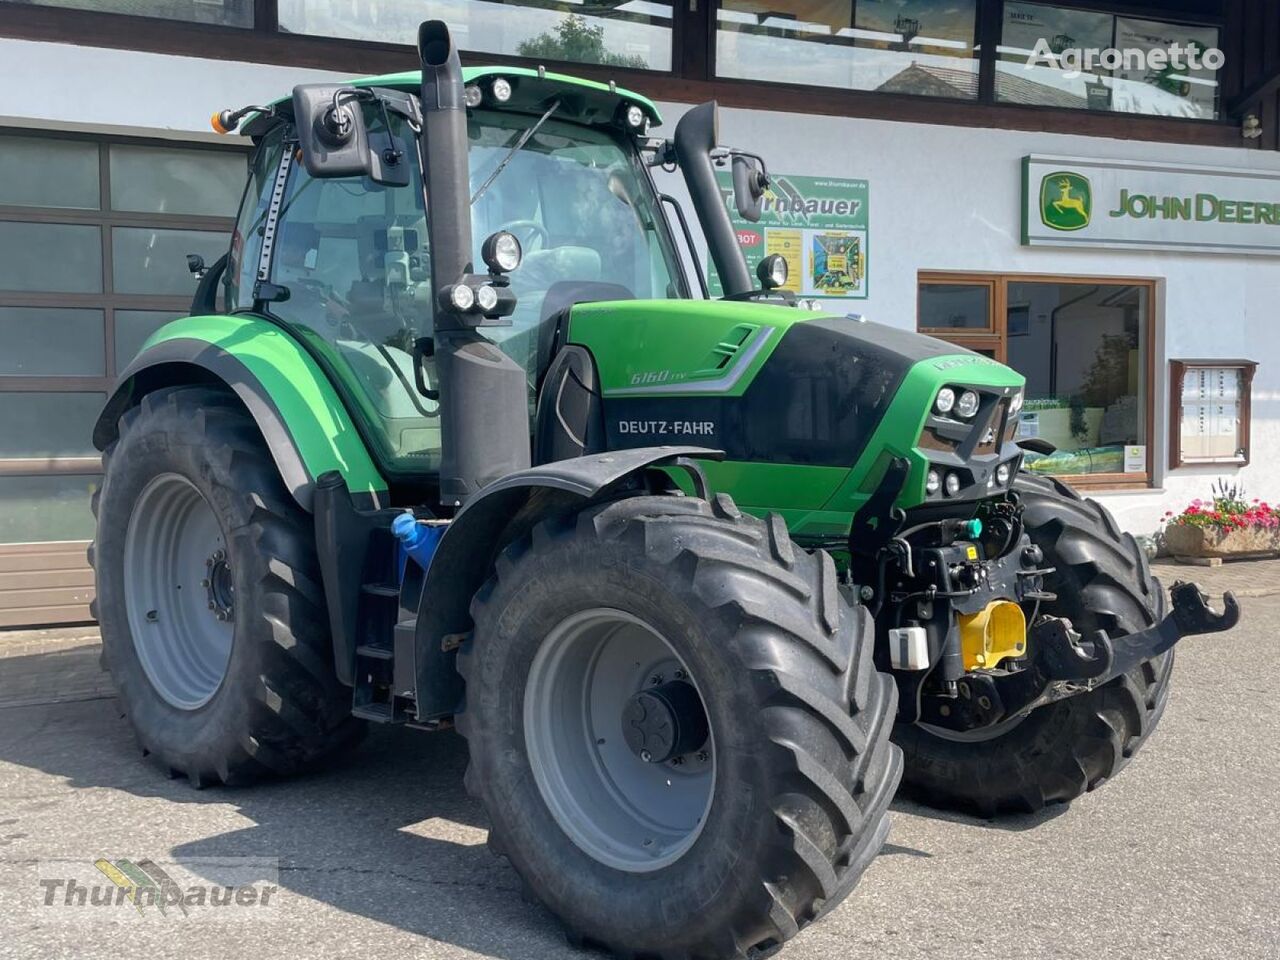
column 208, row 594
column 676, row 727
column 1063, row 749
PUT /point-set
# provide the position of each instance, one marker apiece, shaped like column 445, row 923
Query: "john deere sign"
column 1130, row 205
column 1066, row 201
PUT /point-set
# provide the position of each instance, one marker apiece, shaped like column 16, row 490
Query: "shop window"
column 44, row 508
column 1089, row 60
column 51, row 341
column 1084, row 347
column 192, row 182
column 923, row 47
column 42, row 172
column 634, row 34
column 58, row 257
column 227, row 13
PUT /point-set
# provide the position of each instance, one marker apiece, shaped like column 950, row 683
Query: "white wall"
column 942, row 198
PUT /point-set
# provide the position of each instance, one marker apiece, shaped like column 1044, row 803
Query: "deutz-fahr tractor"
column 454, row 437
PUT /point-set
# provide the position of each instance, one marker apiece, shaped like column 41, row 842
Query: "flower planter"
column 1183, row 540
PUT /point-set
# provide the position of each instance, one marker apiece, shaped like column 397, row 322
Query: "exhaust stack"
column 696, row 136
column 484, row 402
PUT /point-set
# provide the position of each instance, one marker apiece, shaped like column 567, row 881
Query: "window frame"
column 998, row 340
column 692, row 77
column 108, row 302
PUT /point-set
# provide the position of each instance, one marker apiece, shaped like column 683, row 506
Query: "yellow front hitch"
column 996, row 632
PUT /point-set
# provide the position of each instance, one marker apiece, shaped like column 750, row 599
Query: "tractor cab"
column 336, row 243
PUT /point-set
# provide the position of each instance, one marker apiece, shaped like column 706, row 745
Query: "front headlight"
column 1015, row 403
column 967, row 405
column 945, row 401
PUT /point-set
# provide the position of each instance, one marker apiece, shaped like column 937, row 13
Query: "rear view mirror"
column 749, row 183
column 331, row 130
column 336, row 141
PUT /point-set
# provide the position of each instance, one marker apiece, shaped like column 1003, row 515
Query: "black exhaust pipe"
column 695, row 138
column 444, row 157
column 484, row 402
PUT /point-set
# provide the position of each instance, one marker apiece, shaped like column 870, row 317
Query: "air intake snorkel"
column 484, row 403
column 695, row 138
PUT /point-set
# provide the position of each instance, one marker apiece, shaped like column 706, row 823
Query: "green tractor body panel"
column 290, row 381
column 725, row 375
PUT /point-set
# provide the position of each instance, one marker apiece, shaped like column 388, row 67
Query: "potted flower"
column 1227, row 525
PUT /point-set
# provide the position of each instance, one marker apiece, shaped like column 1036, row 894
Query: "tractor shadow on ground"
column 1012, row 823
column 386, row 832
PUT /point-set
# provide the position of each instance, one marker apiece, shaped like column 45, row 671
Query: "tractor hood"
column 647, row 348
column 778, row 388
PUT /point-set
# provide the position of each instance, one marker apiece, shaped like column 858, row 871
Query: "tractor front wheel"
column 213, row 621
column 676, row 727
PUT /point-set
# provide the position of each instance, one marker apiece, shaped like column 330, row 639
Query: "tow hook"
column 1062, row 655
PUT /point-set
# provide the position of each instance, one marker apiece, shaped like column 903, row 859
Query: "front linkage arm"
column 1064, row 658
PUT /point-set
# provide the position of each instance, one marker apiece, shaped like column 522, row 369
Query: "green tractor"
column 699, row 581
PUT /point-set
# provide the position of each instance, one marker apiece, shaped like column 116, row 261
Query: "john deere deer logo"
column 1066, row 201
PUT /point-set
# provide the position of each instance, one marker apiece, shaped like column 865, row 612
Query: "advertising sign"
column 1133, row 205
column 1198, row 87
column 818, row 224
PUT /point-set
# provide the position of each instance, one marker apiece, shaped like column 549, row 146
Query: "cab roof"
column 586, row 101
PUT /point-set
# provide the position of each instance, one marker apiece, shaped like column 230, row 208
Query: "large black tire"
column 1062, row 750
column 805, row 770
column 279, row 706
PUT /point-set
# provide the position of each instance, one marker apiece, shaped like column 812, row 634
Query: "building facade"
column 1109, row 226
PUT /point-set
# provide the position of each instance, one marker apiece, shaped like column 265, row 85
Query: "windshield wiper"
column 524, row 138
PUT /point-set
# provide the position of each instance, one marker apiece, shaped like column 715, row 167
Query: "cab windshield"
column 353, row 256
column 583, row 211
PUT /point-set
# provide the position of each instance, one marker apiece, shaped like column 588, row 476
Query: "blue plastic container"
column 418, row 539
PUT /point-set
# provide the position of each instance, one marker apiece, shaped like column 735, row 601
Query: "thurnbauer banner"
column 819, row 224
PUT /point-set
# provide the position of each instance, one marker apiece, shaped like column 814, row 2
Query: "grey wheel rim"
column 624, row 812
column 179, row 595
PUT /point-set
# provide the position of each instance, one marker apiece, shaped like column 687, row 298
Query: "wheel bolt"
column 703, row 756
column 205, row 583
column 656, row 679
column 210, row 604
column 680, row 675
column 646, row 756
column 677, row 761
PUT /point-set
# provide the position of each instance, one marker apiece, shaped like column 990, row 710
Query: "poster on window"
column 1026, row 24
column 817, row 224
column 1174, row 89
column 944, row 26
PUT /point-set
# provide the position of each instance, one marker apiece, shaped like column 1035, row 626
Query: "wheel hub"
column 219, row 585
column 664, row 722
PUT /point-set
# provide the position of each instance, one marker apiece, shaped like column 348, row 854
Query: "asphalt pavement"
column 384, row 855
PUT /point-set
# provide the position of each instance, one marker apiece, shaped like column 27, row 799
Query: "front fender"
column 296, row 408
column 490, row 520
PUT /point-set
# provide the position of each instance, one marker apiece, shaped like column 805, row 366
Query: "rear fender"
column 296, row 408
column 493, row 518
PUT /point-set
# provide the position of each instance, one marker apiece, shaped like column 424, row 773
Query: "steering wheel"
column 535, row 230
